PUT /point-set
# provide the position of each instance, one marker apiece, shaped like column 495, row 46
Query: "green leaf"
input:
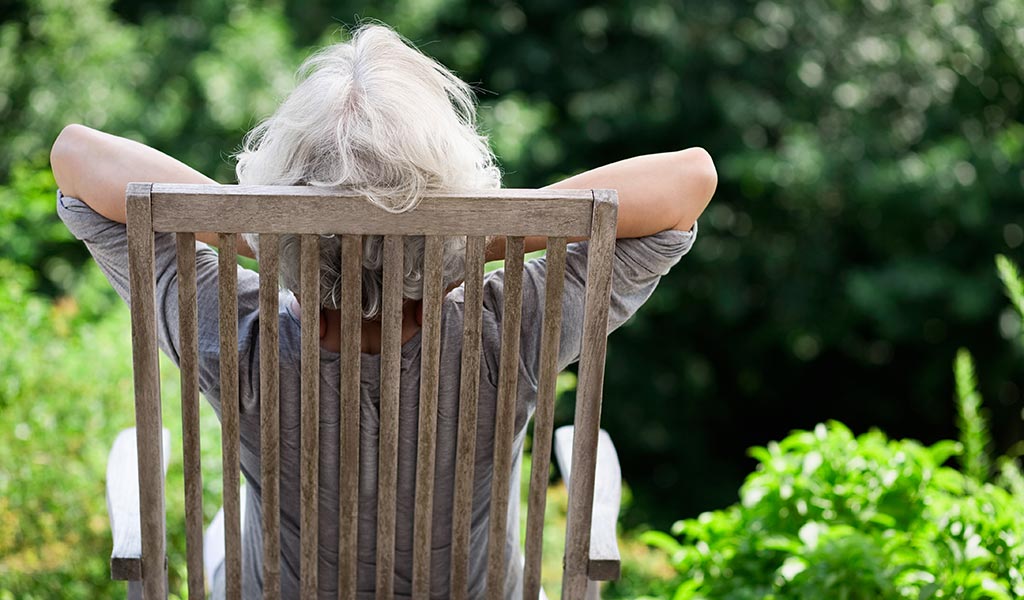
column 942, row 450
column 974, row 433
column 791, row 567
column 1014, row 286
column 780, row 543
column 661, row 541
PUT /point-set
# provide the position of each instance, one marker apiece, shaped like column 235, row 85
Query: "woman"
column 375, row 115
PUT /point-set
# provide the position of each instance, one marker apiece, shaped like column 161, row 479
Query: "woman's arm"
column 97, row 167
column 656, row 192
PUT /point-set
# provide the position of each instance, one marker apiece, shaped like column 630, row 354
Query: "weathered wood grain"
column 309, row 413
column 601, row 253
column 426, row 443
column 146, row 364
column 188, row 335
column 543, row 418
column 306, row 209
column 270, row 414
column 351, row 332
column 390, row 376
column 504, row 423
column 272, row 210
column 229, row 408
column 469, row 393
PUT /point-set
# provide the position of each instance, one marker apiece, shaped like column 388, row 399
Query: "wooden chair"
column 136, row 506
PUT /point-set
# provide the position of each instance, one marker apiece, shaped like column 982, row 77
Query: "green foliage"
column 30, row 236
column 85, row 65
column 867, row 150
column 65, row 392
column 64, row 388
column 1012, row 283
column 847, row 248
column 870, row 167
column 228, row 71
column 974, row 432
column 830, row 515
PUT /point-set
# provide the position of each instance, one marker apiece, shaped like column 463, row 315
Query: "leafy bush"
column 828, row 514
column 831, row 515
column 65, row 392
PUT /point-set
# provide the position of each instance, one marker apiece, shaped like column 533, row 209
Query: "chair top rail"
column 308, row 209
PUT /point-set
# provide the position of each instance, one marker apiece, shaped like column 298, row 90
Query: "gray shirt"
column 638, row 266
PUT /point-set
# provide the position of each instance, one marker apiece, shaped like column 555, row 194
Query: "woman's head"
column 378, row 117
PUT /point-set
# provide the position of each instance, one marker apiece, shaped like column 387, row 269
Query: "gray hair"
column 377, row 117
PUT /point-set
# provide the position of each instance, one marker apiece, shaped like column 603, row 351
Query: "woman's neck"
column 330, row 328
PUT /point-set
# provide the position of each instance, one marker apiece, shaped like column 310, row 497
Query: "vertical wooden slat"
column 270, row 415
column 433, row 288
column 390, row 373
column 351, row 334
column 543, row 420
column 504, row 423
column 146, row 364
column 228, row 301
column 469, row 392
column 309, row 412
column 188, row 356
column 588, row 395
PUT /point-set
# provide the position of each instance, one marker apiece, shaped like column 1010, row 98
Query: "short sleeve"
column 107, row 242
column 638, row 266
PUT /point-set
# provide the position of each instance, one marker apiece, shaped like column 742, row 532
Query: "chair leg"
column 593, row 590
column 134, row 590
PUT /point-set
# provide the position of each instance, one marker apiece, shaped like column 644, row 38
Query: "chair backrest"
column 309, row 212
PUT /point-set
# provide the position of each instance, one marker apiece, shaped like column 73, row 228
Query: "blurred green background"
column 870, row 160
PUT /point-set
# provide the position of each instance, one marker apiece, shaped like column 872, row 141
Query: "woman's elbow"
column 63, row 154
column 706, row 174
column 698, row 185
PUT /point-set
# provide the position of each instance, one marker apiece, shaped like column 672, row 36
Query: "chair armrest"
column 605, row 563
column 123, row 504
